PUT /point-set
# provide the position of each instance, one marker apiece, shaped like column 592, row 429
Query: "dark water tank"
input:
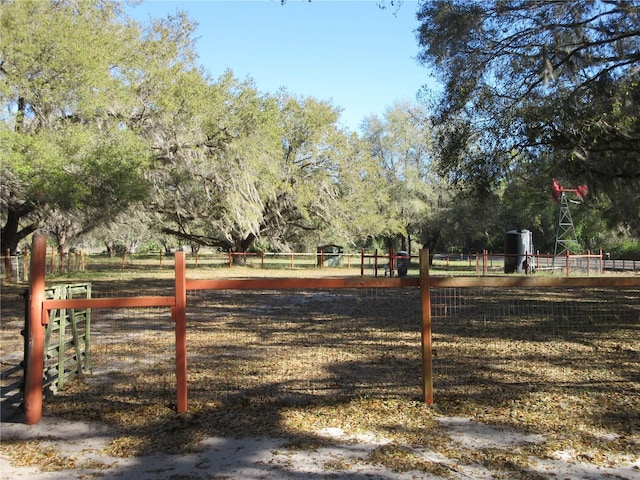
column 517, row 245
column 402, row 262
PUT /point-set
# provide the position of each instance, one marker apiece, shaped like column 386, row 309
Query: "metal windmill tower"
column 566, row 238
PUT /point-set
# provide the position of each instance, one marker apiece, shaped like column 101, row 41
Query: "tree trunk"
column 388, row 242
column 22, row 103
column 431, row 244
column 63, row 248
column 9, row 240
column 241, row 247
column 247, row 242
column 11, row 235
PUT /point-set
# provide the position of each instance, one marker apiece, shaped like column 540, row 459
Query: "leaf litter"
column 526, row 394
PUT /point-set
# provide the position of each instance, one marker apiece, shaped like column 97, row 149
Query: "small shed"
column 329, row 255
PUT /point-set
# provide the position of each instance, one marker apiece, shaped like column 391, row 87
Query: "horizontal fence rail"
column 114, row 302
column 300, row 283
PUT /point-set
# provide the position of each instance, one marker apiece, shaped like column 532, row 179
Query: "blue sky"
column 353, row 53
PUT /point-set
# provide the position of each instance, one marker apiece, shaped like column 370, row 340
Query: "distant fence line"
column 16, row 267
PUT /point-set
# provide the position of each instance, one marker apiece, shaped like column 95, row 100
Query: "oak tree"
column 70, row 159
column 553, row 84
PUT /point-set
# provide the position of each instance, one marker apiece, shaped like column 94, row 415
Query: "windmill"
column 566, row 233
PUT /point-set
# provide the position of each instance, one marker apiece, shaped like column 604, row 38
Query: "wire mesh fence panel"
column 132, row 355
column 502, row 340
column 303, row 346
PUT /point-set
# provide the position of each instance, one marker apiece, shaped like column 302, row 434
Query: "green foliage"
column 245, row 165
column 407, row 188
column 66, row 102
column 109, row 126
column 549, row 83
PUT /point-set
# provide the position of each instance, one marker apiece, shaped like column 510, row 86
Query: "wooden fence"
column 367, row 261
column 40, row 307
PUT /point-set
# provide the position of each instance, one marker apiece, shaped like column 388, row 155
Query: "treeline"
column 113, row 134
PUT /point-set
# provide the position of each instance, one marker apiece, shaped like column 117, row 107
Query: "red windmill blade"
column 581, row 191
column 557, row 190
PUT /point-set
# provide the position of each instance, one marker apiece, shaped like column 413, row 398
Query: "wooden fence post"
column 485, row 262
column 7, row 264
column 35, row 344
column 180, row 318
column 375, row 262
column 25, row 266
column 425, row 301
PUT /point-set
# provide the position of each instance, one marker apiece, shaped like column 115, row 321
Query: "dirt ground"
column 528, row 385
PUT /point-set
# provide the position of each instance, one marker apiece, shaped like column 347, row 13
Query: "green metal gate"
column 67, row 337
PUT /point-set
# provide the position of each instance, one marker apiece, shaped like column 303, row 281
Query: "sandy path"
column 270, row 458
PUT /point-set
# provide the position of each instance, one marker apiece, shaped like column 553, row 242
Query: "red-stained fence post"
column 35, row 340
column 425, row 301
column 180, row 318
